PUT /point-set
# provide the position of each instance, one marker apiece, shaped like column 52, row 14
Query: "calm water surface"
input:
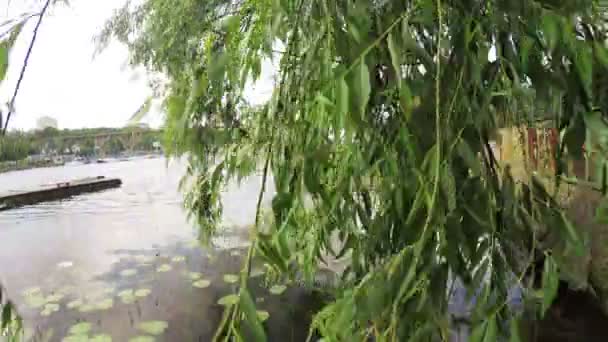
column 127, row 258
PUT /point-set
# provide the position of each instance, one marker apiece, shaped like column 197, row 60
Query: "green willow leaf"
column 550, row 282
column 395, row 51
column 251, row 316
column 4, row 52
column 341, row 97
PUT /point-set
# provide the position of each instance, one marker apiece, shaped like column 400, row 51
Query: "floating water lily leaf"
column 65, row 264
column 195, row 275
column 128, row 272
column 31, row 291
column 277, row 289
column 76, row 338
column 49, row 308
column 81, row 328
column 142, row 339
column 142, row 292
column 74, row 304
column 88, row 307
column 36, row 301
column 153, row 327
column 231, row 278
column 101, row 338
column 202, row 283
column 127, row 296
column 164, row 268
column 126, row 292
column 228, row 300
column 54, row 297
column 105, row 304
column 178, row 258
column 235, row 253
column 262, row 315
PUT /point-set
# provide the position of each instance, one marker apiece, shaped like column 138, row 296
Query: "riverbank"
column 25, row 165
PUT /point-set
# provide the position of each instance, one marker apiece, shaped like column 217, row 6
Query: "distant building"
column 45, row 122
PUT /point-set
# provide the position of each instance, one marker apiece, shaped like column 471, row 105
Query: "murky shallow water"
column 126, row 260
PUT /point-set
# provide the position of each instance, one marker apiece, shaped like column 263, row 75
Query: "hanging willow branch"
column 11, row 106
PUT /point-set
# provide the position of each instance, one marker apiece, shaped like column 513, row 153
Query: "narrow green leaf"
column 491, row 334
column 514, row 330
column 395, row 52
column 141, row 112
column 251, row 316
column 364, row 85
column 550, row 30
column 6, row 315
column 550, row 282
column 4, row 50
column 341, row 97
column 406, row 101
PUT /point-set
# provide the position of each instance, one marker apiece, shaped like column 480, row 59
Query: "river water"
column 127, row 261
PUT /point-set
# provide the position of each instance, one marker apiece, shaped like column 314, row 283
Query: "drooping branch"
column 11, row 106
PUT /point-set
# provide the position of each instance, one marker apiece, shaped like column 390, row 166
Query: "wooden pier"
column 57, row 191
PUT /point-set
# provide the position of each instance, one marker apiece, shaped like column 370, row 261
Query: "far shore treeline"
column 18, row 145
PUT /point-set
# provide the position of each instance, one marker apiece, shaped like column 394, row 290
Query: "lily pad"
column 125, row 293
column 263, row 315
column 277, row 289
column 36, row 301
column 127, row 296
column 235, row 252
column 31, row 291
column 153, row 327
column 228, row 300
column 74, row 304
column 49, row 308
column 101, row 338
column 54, row 297
column 231, row 278
column 164, row 268
column 76, row 338
column 201, row 283
column 81, row 328
column 88, row 307
column 142, row 292
column 128, row 272
column 104, row 304
column 142, row 339
column 194, row 275
column 178, row 258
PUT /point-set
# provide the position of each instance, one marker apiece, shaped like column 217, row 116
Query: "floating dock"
column 57, row 191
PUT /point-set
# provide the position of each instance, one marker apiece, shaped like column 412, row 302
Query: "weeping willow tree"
column 378, row 132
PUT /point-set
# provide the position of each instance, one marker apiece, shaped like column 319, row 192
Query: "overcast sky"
column 62, row 79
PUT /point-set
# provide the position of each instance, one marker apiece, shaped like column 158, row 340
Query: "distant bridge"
column 128, row 137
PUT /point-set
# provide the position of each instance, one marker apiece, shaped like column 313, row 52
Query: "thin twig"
column 25, row 61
